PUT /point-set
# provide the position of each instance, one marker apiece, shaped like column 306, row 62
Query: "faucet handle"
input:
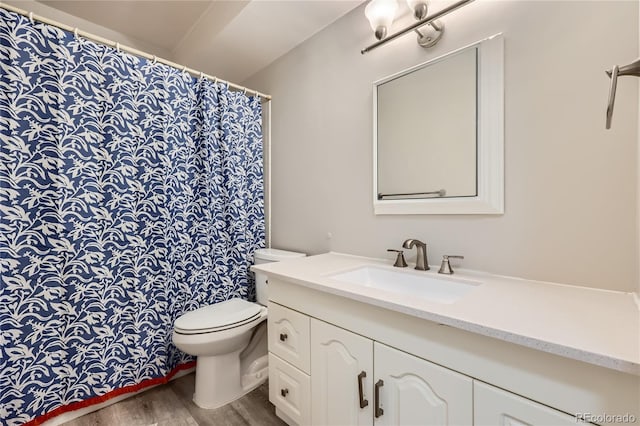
column 400, row 262
column 445, row 267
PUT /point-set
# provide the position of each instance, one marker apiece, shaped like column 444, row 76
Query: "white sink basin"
column 419, row 284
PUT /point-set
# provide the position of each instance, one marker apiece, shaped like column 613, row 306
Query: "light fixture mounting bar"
column 418, row 24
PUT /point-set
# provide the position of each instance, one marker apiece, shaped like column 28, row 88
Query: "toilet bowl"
column 230, row 340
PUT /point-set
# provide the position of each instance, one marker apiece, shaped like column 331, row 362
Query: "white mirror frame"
column 490, row 143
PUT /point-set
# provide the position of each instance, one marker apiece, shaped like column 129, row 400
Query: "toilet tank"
column 268, row 255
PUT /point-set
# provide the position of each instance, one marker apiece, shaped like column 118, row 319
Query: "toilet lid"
column 218, row 317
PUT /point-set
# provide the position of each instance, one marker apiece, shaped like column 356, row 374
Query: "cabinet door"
column 413, row 391
column 493, row 406
column 338, row 358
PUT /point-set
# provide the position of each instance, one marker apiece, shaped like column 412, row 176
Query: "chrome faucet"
column 422, row 264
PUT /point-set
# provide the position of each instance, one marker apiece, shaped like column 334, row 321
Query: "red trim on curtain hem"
column 103, row 398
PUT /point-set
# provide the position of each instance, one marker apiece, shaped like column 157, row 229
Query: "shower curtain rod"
column 127, row 49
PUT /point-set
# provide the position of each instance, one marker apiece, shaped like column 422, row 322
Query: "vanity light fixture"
column 380, row 14
column 430, row 34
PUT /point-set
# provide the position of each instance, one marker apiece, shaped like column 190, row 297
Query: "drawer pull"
column 283, row 337
column 376, row 396
column 284, row 392
column 363, row 402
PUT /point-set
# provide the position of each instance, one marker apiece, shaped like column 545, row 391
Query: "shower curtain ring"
column 215, row 80
column 184, row 68
column 75, row 32
column 117, row 47
column 31, row 17
column 201, row 75
column 244, row 92
column 155, row 59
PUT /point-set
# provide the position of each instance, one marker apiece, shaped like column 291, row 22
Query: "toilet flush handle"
column 283, row 337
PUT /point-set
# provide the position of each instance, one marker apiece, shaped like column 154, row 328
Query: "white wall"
column 571, row 186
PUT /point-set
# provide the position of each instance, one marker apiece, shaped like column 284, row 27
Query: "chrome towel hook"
column 631, row 69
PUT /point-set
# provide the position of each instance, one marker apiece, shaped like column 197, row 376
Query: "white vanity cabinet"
column 356, row 381
column 350, row 388
column 444, row 369
column 324, row 375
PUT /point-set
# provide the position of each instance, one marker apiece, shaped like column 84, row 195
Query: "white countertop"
column 600, row 327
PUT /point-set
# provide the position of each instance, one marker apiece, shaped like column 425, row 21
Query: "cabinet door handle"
column 363, row 402
column 376, row 396
column 284, row 392
column 283, row 337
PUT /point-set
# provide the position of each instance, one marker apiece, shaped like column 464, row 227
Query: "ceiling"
column 231, row 39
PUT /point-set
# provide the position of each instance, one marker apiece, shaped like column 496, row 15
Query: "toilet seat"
column 219, row 317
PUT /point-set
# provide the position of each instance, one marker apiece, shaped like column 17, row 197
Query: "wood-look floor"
column 171, row 405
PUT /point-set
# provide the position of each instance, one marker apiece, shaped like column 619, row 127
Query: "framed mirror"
column 439, row 135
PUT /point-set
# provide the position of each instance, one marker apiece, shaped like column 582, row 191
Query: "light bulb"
column 380, row 14
column 419, row 8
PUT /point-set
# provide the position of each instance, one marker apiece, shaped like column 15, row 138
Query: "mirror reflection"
column 427, row 130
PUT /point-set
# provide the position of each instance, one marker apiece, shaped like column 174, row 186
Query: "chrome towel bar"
column 631, row 69
column 439, row 193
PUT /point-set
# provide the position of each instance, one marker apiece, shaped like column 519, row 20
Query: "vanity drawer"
column 289, row 390
column 289, row 336
column 494, row 406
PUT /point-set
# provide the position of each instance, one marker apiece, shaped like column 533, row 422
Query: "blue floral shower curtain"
column 130, row 192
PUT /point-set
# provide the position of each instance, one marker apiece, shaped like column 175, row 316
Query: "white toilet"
column 230, row 341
